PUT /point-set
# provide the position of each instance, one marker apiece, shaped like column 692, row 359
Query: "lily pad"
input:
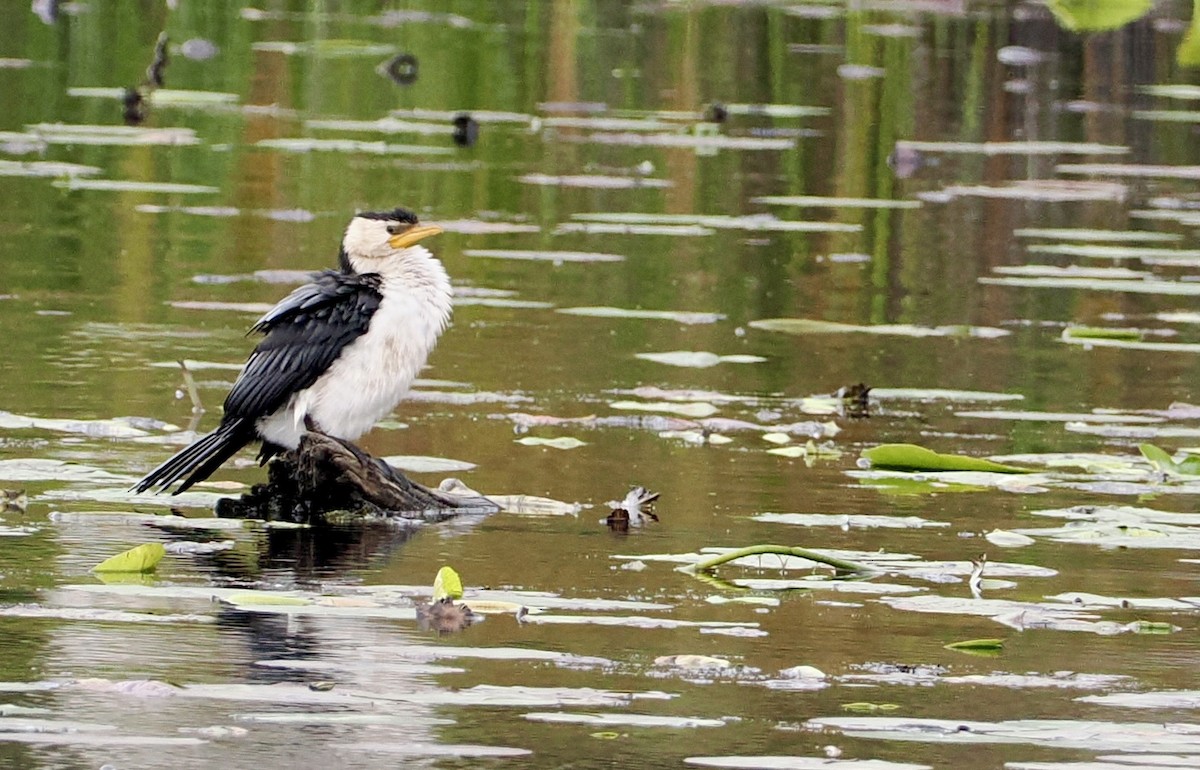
column 621, row 719
column 814, row 326
column 791, row 762
column 557, row 257
column 1089, row 234
column 562, row 442
column 910, row 457
column 697, row 359
column 818, row 201
column 447, row 585
column 682, row 317
column 142, row 558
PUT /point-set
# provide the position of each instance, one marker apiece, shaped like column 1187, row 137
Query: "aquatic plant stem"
column 189, row 385
column 841, row 565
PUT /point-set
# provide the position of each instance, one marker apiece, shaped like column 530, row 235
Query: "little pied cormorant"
column 338, row 353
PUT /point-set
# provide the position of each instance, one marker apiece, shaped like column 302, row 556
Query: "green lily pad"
column 977, row 645
column 447, row 585
column 910, row 457
column 143, row 558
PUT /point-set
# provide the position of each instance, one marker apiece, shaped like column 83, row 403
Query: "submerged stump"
column 327, row 480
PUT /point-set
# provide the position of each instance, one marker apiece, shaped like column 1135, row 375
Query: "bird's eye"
column 393, row 229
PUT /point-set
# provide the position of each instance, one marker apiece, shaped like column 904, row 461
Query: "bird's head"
column 372, row 236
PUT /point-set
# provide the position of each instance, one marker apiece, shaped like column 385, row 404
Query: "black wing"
column 305, row 333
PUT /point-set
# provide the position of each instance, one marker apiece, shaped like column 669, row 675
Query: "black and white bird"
column 338, row 353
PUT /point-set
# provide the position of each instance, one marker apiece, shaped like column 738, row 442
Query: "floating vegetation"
column 751, row 222
column 595, row 181
column 386, row 125
column 1073, row 272
column 683, row 317
column 350, row 146
column 122, row 427
column 1120, row 341
column 690, row 141
column 562, row 442
column 1112, row 252
column 122, row 185
column 1004, row 414
column 161, row 97
column 797, row 762
column 818, row 201
column 425, row 464
column 481, row 227
column 621, row 720
column 697, row 359
column 1084, row 735
column 1042, row 191
column 325, row 48
column 694, row 409
column 815, row 326
column 849, row 521
column 1015, row 148
column 45, row 168
column 1086, row 234
column 1129, row 170
column 142, row 558
column 556, row 257
column 910, row 457
column 83, row 134
column 614, row 228
column 256, row 308
column 1145, row 286
column 941, row 394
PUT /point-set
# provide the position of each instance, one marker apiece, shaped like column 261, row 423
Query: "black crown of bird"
column 336, row 355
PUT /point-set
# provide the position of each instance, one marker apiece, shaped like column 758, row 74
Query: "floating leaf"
column 562, row 442
column 557, row 257
column 695, row 409
column 447, row 585
column 910, row 457
column 143, row 558
column 977, row 645
column 1006, row 539
column 836, row 203
column 1087, row 234
column 866, row 708
column 814, row 326
column 691, row 661
column 265, row 599
column 679, row 316
column 697, row 359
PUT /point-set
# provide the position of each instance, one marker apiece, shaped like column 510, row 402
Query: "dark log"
column 327, row 481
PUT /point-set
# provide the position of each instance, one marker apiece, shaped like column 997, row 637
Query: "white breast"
column 374, row 372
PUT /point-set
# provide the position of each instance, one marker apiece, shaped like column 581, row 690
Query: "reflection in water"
column 926, row 167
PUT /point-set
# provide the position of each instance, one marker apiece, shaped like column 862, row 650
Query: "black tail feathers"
column 200, row 458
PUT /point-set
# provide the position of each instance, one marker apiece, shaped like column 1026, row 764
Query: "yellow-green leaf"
column 143, row 558
column 910, row 457
column 447, row 585
column 977, row 645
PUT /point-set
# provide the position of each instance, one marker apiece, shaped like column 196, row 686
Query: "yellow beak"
column 412, row 235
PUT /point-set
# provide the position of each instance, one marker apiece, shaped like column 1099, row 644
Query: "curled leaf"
column 143, row 558
column 447, row 585
column 910, row 457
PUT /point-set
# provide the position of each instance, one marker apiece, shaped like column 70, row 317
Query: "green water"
column 95, row 311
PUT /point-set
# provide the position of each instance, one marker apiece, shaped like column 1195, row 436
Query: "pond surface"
column 986, row 212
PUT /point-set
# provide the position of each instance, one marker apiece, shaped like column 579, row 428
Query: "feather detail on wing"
column 305, row 333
